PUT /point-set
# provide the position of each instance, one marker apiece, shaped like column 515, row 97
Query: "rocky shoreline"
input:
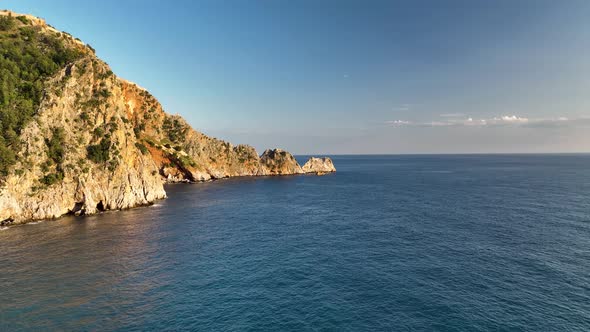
column 77, row 211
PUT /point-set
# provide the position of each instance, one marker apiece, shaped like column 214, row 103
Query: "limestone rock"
column 319, row 165
column 279, row 162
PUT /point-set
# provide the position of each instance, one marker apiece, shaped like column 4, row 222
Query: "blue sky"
column 353, row 76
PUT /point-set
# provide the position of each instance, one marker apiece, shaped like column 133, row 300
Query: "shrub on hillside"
column 144, row 150
column 99, row 153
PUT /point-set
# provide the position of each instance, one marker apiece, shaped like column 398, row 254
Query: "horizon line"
column 442, row 153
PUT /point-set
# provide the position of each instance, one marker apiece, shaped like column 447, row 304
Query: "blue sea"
column 388, row 243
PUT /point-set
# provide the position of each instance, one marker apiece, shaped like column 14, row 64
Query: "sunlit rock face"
column 319, row 165
column 123, row 177
column 279, row 162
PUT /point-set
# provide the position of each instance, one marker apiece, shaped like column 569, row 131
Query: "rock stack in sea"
column 319, row 165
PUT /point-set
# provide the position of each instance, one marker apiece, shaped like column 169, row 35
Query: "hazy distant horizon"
column 351, row 77
column 446, row 154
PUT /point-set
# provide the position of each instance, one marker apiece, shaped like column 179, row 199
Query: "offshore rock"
column 279, row 162
column 319, row 165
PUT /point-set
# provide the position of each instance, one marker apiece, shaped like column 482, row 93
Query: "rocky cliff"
column 78, row 140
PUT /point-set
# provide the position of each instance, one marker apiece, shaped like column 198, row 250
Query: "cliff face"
column 183, row 154
column 96, row 142
column 99, row 167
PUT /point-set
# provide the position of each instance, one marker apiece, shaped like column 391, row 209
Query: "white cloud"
column 509, row 119
column 504, row 120
column 472, row 122
column 559, row 122
column 398, row 122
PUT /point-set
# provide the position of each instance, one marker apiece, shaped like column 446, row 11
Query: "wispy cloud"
column 559, row 122
column 505, row 120
column 510, row 119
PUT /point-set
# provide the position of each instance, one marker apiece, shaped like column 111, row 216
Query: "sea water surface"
column 388, row 243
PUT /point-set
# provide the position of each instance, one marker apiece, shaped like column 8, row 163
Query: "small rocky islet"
column 77, row 139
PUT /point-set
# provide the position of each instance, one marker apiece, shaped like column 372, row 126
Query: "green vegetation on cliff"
column 174, row 129
column 99, row 153
column 28, row 56
column 55, row 154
